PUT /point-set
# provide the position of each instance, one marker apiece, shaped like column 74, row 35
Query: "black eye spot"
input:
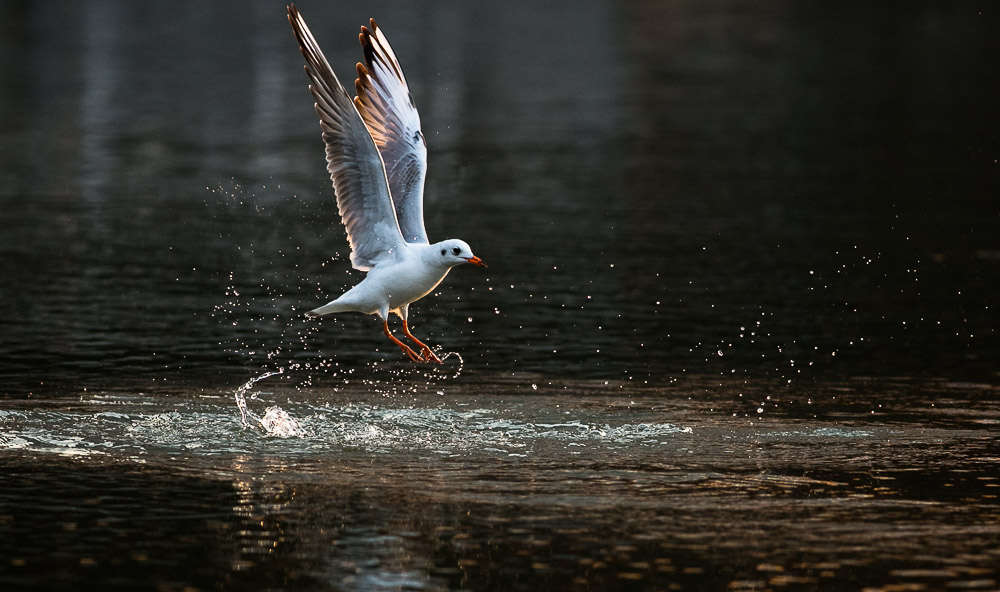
column 443, row 251
column 456, row 251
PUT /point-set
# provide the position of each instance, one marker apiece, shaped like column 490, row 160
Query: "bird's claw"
column 414, row 356
column 429, row 356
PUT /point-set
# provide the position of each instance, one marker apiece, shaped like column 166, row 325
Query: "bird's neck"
column 428, row 254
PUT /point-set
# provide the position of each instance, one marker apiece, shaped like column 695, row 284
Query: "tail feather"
column 335, row 306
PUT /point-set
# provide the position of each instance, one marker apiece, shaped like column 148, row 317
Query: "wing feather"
column 387, row 108
column 353, row 160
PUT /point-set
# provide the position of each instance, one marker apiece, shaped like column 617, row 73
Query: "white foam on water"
column 277, row 422
column 247, row 417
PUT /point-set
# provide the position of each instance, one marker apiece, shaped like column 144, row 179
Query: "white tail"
column 335, row 306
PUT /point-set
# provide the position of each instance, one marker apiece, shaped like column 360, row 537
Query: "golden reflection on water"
column 438, row 524
column 644, row 493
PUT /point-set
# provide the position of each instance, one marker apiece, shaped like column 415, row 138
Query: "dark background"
column 685, row 206
column 766, row 190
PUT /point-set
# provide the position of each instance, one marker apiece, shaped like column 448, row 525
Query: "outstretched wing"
column 387, row 108
column 355, row 166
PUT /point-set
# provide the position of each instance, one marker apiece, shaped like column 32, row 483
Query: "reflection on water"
column 738, row 330
column 572, row 487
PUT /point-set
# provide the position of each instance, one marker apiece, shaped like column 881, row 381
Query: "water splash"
column 445, row 356
column 276, row 421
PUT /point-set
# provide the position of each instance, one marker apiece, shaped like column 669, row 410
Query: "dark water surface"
column 569, row 488
column 738, row 331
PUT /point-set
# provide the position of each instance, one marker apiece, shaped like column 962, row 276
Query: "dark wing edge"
column 353, row 161
column 386, row 106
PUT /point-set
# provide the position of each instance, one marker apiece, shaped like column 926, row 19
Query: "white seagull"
column 377, row 158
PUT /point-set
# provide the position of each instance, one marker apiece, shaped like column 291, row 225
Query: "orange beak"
column 475, row 261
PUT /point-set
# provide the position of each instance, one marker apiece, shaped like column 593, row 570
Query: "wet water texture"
column 738, row 331
column 565, row 489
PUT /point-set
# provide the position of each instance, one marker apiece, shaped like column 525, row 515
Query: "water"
column 491, row 488
column 738, row 329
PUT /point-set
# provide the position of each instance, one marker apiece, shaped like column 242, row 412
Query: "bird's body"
column 377, row 159
column 392, row 287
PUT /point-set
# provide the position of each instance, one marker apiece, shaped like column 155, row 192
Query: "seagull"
column 377, row 159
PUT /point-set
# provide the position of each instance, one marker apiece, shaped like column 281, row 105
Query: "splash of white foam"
column 277, row 422
column 241, row 401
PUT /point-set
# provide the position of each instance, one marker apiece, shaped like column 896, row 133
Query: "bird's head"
column 454, row 252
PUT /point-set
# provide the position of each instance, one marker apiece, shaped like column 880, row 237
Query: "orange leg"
column 428, row 354
column 406, row 349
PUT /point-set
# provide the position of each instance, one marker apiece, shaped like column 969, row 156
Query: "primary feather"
column 386, row 106
column 355, row 165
